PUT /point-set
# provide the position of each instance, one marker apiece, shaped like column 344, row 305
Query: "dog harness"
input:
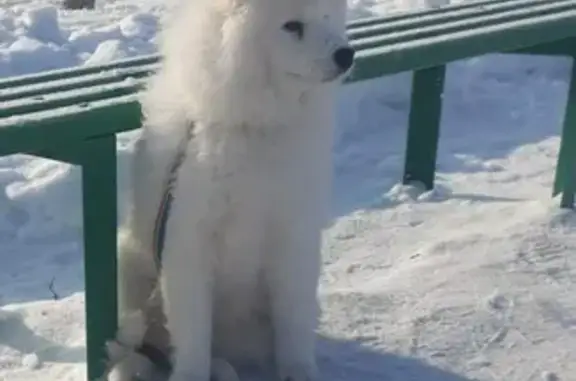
column 159, row 233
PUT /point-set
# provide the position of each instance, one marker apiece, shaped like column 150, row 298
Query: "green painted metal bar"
column 479, row 23
column 561, row 47
column 102, row 78
column 66, row 152
column 436, row 51
column 565, row 179
column 67, row 73
column 424, row 126
column 34, row 132
column 419, row 13
column 99, row 202
column 71, row 97
column 446, row 16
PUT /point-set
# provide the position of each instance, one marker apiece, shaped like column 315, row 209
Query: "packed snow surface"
column 471, row 281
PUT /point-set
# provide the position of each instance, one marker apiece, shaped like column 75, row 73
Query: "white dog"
column 231, row 187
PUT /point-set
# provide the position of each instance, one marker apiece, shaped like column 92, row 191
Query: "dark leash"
column 159, row 234
column 157, row 357
column 153, row 354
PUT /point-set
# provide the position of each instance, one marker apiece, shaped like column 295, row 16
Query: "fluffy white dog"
column 220, row 257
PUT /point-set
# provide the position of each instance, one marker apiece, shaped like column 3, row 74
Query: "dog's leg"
column 187, row 295
column 293, row 282
column 136, row 282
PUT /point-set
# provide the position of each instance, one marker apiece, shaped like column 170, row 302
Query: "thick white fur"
column 241, row 259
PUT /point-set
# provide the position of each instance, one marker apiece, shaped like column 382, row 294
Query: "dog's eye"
column 295, row 27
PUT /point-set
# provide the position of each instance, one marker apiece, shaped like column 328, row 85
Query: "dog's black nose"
column 344, row 58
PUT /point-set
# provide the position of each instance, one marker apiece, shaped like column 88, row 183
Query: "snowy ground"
column 473, row 281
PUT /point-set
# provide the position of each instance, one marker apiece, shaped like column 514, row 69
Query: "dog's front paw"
column 298, row 372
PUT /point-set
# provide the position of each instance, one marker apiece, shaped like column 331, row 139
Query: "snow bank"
column 34, row 39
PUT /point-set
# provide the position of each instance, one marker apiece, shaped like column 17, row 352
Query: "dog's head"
column 294, row 40
column 307, row 40
column 248, row 59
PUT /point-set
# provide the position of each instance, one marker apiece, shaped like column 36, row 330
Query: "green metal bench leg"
column 100, row 246
column 565, row 180
column 424, row 126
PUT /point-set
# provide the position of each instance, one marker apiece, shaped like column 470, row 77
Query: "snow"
column 471, row 281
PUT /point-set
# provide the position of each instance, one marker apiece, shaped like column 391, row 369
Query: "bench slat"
column 52, row 127
column 55, row 75
column 367, row 21
column 385, row 26
column 438, row 50
column 76, row 82
column 507, row 18
column 71, row 97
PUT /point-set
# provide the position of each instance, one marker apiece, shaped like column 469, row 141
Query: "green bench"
column 73, row 115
